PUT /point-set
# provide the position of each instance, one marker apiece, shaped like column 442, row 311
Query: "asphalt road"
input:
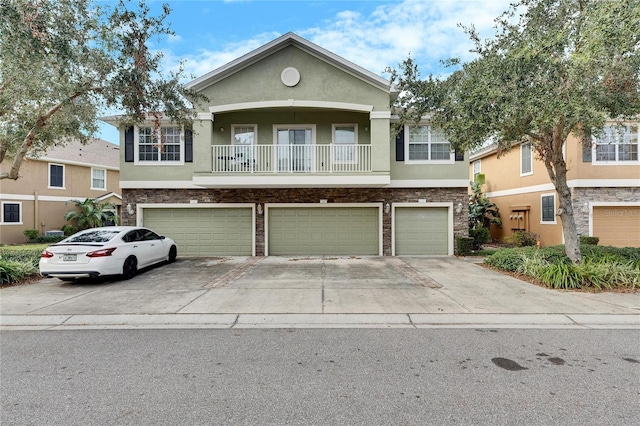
column 320, row 377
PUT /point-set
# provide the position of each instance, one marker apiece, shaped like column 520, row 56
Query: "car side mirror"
column 162, row 237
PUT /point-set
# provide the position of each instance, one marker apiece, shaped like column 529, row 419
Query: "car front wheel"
column 173, row 253
column 129, row 268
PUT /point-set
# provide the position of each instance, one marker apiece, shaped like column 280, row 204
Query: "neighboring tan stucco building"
column 294, row 155
column 37, row 199
column 604, row 180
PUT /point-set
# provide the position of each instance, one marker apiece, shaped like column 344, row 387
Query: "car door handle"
column 135, row 246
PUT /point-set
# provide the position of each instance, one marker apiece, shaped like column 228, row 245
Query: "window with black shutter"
column 10, row 212
column 56, row 176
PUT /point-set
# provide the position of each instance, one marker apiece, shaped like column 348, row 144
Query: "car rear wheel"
column 173, row 253
column 129, row 268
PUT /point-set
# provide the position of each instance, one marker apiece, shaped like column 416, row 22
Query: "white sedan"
column 111, row 250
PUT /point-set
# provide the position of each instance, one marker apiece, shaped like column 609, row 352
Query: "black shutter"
column 400, row 145
column 459, row 155
column 188, row 146
column 128, row 145
column 586, row 153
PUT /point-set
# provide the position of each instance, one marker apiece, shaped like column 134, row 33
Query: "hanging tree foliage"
column 554, row 68
column 63, row 62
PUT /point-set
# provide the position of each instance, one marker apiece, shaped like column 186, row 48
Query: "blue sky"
column 374, row 34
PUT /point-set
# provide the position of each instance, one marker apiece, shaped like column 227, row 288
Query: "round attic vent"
column 290, row 76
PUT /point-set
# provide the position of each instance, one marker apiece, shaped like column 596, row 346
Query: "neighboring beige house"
column 604, row 180
column 36, row 200
column 294, row 155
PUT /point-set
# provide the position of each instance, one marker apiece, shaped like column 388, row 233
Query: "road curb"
column 159, row 321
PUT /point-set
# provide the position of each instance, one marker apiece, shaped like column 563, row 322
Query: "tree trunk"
column 551, row 149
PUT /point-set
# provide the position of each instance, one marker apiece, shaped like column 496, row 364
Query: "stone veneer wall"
column 589, row 195
column 304, row 195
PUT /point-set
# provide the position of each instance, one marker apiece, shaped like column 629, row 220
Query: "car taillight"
column 46, row 253
column 101, row 253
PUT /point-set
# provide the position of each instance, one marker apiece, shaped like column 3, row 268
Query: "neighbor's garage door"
column 617, row 226
column 324, row 230
column 421, row 230
column 204, row 231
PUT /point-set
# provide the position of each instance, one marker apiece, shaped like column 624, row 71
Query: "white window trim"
column 473, row 168
column 19, row 222
column 555, row 204
column 355, row 142
column 136, row 150
column 255, row 133
column 530, row 161
column 594, row 158
column 105, row 179
column 64, row 176
column 407, row 135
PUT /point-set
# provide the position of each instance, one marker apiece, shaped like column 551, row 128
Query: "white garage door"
column 204, row 231
column 324, row 231
column 421, row 231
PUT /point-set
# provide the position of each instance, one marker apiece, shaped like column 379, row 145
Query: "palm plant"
column 89, row 213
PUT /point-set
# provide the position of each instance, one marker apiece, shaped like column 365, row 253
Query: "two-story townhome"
column 604, row 179
column 38, row 198
column 294, row 155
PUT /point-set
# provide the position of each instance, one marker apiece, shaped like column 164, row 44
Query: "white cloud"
column 426, row 29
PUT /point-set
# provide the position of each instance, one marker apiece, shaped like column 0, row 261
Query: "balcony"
column 291, row 159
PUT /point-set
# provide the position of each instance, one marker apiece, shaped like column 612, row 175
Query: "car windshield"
column 95, row 236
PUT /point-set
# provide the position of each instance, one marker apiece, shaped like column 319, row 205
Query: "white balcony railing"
column 328, row 158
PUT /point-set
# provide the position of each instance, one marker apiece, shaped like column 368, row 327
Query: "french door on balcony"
column 294, row 149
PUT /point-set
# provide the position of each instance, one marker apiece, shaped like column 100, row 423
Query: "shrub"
column 12, row 271
column 69, row 229
column 31, row 234
column 480, row 236
column 464, row 246
column 48, row 239
column 31, row 255
column 584, row 239
column 603, row 267
column 524, row 238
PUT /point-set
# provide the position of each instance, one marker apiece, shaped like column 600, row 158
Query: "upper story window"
column 616, row 144
column 11, row 213
column 56, row 176
column 98, row 178
column 345, row 137
column 526, row 159
column 425, row 144
column 159, row 146
column 548, row 208
column 476, row 169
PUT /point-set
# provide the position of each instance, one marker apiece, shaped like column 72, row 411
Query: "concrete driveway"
column 413, row 290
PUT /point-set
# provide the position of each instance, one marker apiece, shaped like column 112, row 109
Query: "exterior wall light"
column 259, row 209
column 129, row 209
column 459, row 208
column 387, row 208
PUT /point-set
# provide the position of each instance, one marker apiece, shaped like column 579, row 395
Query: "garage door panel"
column 325, row 230
column 205, row 231
column 421, row 231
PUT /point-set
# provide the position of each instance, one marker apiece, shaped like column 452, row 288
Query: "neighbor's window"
column 159, row 146
column 56, row 176
column 526, row 159
column 11, row 213
column 98, row 179
column 344, row 139
column 548, row 208
column 617, row 144
column 427, row 145
column 476, row 169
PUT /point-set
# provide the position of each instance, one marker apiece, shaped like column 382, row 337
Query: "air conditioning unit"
column 54, row 234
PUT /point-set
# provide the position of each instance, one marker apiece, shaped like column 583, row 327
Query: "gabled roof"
column 286, row 40
column 96, row 152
